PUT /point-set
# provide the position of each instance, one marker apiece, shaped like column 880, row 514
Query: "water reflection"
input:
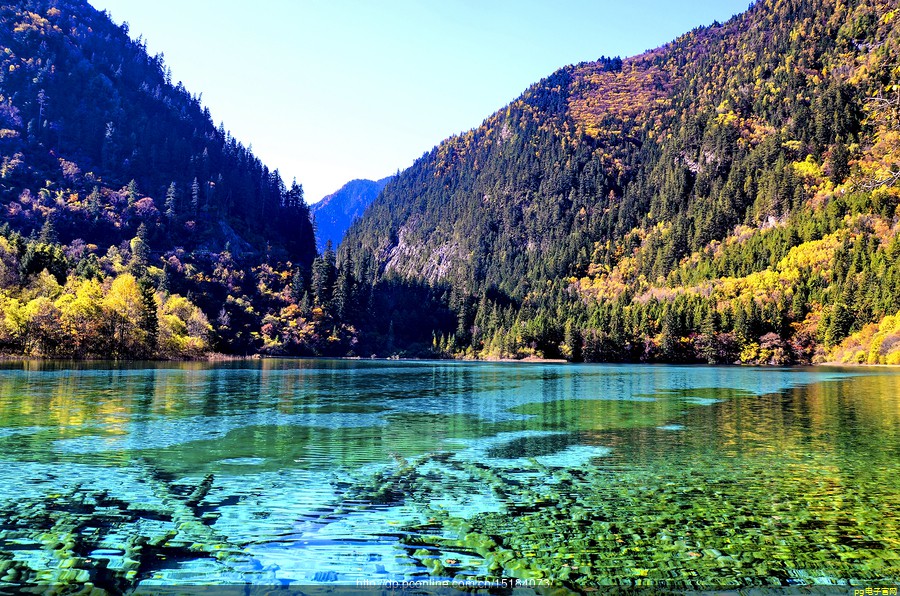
column 670, row 475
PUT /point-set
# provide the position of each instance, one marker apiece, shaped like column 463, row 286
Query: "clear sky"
column 331, row 90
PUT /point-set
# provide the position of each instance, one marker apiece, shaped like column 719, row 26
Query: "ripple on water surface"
column 328, row 472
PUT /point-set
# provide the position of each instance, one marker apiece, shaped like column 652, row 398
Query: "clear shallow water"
column 291, row 471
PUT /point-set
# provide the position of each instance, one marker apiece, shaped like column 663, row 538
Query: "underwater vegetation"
column 687, row 526
column 644, row 478
column 87, row 537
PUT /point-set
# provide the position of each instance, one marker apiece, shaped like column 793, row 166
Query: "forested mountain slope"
column 334, row 213
column 124, row 207
column 729, row 196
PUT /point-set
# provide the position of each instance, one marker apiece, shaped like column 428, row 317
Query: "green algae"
column 687, row 529
column 714, row 393
column 534, row 446
column 759, row 506
column 279, row 447
column 598, row 414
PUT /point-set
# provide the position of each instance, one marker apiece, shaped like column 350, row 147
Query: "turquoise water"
column 338, row 472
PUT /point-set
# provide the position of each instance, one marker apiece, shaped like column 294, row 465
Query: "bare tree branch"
column 888, row 180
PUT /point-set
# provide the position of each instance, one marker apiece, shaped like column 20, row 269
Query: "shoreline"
column 219, row 357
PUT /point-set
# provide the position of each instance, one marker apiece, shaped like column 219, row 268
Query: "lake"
column 345, row 472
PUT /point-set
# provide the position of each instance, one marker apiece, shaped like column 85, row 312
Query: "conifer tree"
column 131, row 192
column 170, row 202
column 298, row 286
column 195, row 196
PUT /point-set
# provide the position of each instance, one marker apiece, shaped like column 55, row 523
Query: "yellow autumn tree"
column 82, row 318
column 183, row 328
column 44, row 335
column 124, row 309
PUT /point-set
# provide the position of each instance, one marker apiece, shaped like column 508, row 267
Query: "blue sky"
column 329, row 91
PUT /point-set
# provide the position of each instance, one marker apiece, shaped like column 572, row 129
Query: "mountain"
column 85, row 106
column 730, row 196
column 334, row 213
column 132, row 225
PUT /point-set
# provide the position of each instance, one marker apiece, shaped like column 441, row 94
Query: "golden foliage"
column 601, row 100
column 875, row 343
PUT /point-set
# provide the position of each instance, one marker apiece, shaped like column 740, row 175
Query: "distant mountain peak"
column 335, row 212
